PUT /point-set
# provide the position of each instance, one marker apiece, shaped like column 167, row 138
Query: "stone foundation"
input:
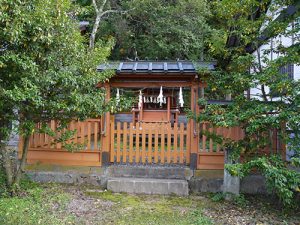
column 202, row 181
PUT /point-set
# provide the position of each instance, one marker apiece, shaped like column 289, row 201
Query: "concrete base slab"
column 146, row 171
column 148, row 186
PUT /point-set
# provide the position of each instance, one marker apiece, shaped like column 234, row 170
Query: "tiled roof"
column 156, row 66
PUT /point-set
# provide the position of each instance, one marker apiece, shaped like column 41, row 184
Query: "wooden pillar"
column 169, row 109
column 194, row 126
column 106, row 130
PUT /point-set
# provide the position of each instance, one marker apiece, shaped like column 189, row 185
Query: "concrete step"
column 148, row 186
column 145, row 171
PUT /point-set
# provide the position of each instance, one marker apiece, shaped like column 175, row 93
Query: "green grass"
column 34, row 205
column 141, row 209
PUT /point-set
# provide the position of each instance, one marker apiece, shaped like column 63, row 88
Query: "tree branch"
column 99, row 14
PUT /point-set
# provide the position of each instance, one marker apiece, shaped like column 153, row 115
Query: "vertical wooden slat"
column 211, row 140
column 218, row 133
column 112, row 142
column 124, row 151
column 118, row 141
column 181, row 150
column 96, row 136
column 37, row 136
column 52, row 126
column 77, row 126
column 204, row 138
column 175, row 143
column 188, row 142
column 69, row 128
column 58, row 144
column 88, row 135
column 150, row 145
column 162, row 143
column 34, row 135
column 143, row 143
column 156, row 146
column 46, row 141
column 130, row 142
column 137, row 144
column 82, row 131
column 169, row 142
column 21, row 145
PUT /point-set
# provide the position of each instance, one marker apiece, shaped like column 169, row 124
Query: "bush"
column 280, row 179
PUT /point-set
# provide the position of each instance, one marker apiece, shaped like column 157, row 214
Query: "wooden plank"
column 211, row 140
column 169, row 143
column 181, row 150
column 20, row 146
column 88, row 135
column 131, row 142
column 168, row 108
column 162, row 146
column 64, row 157
column 34, row 137
column 82, row 131
column 124, row 150
column 118, row 141
column 204, row 138
column 210, row 161
column 156, row 146
column 218, row 133
column 143, row 143
column 96, row 136
column 137, row 143
column 188, row 143
column 50, row 139
column 77, row 126
column 150, row 145
column 58, row 144
column 69, row 128
column 175, row 143
column 112, row 142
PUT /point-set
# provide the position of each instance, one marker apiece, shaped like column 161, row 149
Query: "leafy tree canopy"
column 46, row 70
column 155, row 28
column 276, row 104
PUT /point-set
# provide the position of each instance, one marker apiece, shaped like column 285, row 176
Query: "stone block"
column 160, row 187
column 179, row 188
column 200, row 184
column 148, row 186
column 253, row 184
column 140, row 186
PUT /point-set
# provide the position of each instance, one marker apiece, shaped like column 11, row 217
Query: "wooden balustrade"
column 211, row 152
column 157, row 143
column 87, row 136
column 44, row 148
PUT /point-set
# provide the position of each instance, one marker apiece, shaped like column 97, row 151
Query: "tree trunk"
column 4, row 152
column 7, row 166
column 95, row 29
column 20, row 170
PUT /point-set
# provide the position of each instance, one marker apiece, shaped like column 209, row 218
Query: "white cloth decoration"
column 118, row 96
column 160, row 98
column 140, row 100
column 181, row 102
